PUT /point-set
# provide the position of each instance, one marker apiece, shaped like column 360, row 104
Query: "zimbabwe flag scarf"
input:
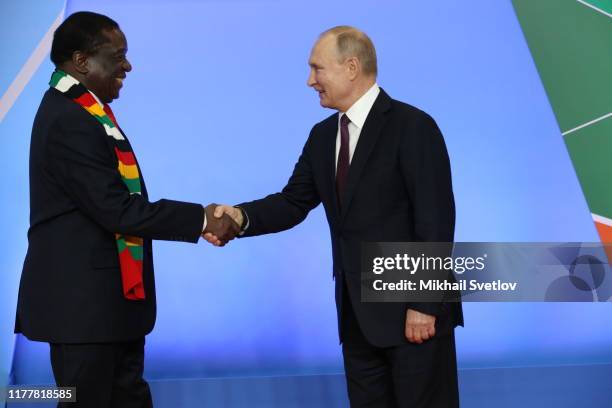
column 129, row 248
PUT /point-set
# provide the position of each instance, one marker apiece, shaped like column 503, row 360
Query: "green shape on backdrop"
column 572, row 48
column 591, row 152
column 605, row 5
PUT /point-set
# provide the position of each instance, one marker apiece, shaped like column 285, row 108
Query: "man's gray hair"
column 352, row 42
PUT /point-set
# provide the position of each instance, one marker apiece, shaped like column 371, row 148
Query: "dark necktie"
column 343, row 158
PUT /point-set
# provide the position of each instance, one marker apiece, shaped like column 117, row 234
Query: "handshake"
column 223, row 223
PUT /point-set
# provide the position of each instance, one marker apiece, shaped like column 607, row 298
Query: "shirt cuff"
column 245, row 221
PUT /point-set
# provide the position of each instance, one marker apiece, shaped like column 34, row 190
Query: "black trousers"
column 106, row 375
column 405, row 376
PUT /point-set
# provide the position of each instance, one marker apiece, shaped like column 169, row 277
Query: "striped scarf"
column 130, row 248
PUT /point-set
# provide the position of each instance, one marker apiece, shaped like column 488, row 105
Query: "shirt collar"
column 359, row 111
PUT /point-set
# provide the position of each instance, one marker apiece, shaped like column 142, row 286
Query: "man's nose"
column 311, row 79
column 127, row 67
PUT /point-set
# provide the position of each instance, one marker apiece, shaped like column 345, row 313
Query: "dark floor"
column 525, row 387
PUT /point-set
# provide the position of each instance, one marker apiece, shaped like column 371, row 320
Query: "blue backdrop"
column 217, row 109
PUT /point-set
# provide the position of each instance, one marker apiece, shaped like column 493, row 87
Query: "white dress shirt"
column 357, row 114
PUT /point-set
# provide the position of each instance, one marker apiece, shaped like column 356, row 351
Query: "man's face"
column 330, row 78
column 107, row 68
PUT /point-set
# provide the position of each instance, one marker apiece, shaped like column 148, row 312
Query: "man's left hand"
column 419, row 326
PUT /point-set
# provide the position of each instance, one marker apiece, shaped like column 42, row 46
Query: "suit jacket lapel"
column 367, row 140
column 330, row 130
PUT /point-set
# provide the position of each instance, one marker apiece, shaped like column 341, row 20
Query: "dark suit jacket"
column 71, row 290
column 398, row 190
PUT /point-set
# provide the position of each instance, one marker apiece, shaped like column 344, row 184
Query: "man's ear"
column 80, row 63
column 354, row 67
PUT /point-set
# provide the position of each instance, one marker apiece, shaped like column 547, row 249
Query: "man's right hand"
column 222, row 212
column 219, row 228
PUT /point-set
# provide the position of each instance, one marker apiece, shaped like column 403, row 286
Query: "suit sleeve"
column 427, row 174
column 80, row 160
column 281, row 211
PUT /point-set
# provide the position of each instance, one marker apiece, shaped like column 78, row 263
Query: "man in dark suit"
column 381, row 169
column 87, row 285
